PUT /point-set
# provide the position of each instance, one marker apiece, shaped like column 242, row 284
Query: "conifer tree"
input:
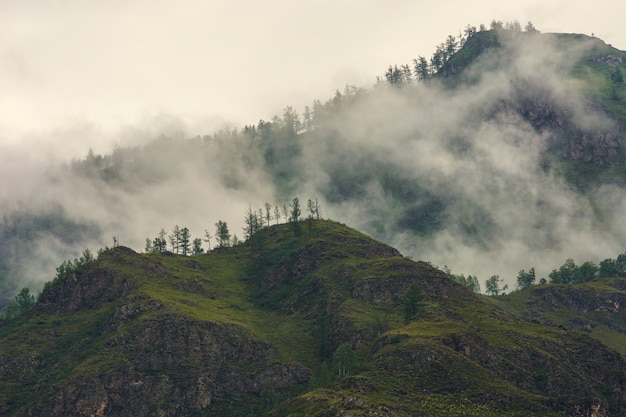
column 197, row 247
column 222, row 234
column 175, row 239
column 411, row 301
column 286, row 212
column 311, row 208
column 525, row 279
column 207, row 239
column 185, row 241
column 317, row 209
column 421, row 68
column 276, row 213
column 268, row 214
column 492, row 286
column 295, row 215
column 295, row 210
column 160, row 242
column 251, row 222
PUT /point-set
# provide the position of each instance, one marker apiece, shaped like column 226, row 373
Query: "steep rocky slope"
column 299, row 324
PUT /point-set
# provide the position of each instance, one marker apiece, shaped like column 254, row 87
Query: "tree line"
column 180, row 242
column 568, row 273
column 423, row 68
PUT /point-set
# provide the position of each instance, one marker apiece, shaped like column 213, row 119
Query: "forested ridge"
column 414, row 160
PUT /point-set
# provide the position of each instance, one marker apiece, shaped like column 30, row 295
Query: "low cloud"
column 463, row 163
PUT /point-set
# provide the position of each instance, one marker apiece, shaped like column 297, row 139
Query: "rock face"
column 172, row 367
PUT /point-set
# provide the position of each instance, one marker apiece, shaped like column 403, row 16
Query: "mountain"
column 305, row 319
column 508, row 154
column 593, row 73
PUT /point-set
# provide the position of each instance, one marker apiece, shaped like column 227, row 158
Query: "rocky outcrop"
column 579, row 298
column 90, row 287
column 171, row 366
column 611, row 60
column 559, row 121
column 400, row 276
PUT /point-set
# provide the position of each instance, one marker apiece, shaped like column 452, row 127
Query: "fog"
column 462, row 146
column 115, row 66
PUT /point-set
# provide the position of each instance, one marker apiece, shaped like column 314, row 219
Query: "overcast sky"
column 78, row 72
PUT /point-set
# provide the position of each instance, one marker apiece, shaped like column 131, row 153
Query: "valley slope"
column 315, row 320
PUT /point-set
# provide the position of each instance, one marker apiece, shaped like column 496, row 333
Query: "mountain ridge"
column 163, row 334
column 417, row 165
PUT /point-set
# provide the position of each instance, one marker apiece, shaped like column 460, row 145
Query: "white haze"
column 107, row 67
column 189, row 70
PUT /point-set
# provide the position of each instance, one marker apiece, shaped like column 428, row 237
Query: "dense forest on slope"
column 323, row 321
column 504, row 151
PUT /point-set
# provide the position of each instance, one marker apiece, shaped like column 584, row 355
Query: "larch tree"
column 422, row 71
column 207, row 239
column 185, row 241
column 277, row 213
column 525, row 279
column 197, row 247
column 492, row 286
column 222, row 234
column 294, row 218
column 268, row 214
column 175, row 239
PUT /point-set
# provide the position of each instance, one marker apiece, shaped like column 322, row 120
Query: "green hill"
column 323, row 322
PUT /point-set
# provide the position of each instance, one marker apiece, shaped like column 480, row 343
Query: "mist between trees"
column 467, row 167
column 179, row 241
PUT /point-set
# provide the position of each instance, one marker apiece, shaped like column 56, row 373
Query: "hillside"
column 322, row 322
column 594, row 308
column 506, row 155
column 585, row 153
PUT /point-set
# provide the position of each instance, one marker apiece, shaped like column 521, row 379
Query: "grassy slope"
column 463, row 356
column 591, row 307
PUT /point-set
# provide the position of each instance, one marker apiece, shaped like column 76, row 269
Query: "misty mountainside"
column 304, row 319
column 502, row 152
